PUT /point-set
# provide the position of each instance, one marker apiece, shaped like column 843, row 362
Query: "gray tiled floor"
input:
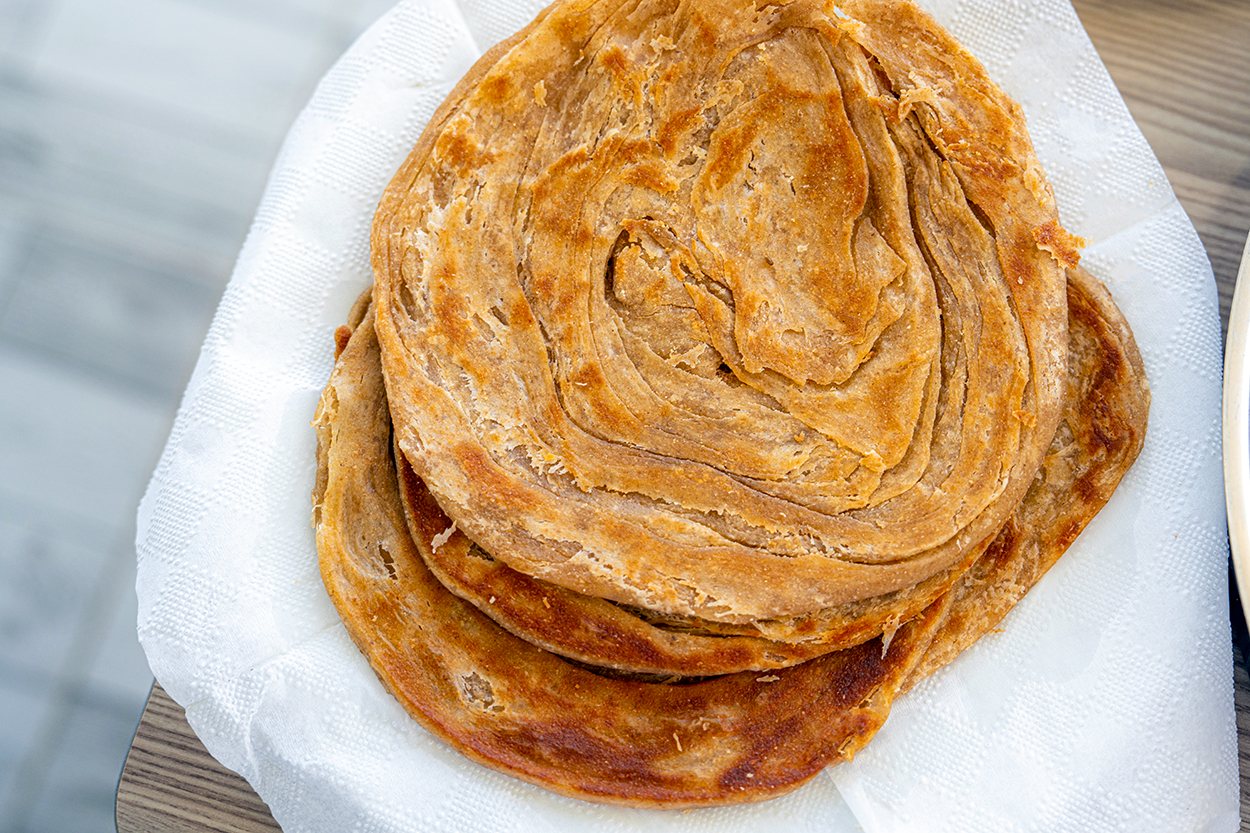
column 135, row 138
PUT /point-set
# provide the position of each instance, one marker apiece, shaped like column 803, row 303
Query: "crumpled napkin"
column 1105, row 702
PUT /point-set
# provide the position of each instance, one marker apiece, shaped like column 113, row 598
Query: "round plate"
column 1237, row 429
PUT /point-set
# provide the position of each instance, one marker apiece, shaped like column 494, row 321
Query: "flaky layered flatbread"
column 728, row 312
column 726, row 372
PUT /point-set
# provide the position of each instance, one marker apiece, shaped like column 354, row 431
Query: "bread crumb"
column 1063, row 246
column 341, row 336
column 441, row 538
column 907, row 101
column 677, row 740
column 546, row 603
column 771, row 678
column 887, row 635
column 540, row 94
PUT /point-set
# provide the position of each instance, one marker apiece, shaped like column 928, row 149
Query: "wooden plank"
column 1241, row 701
column 171, row 784
column 1184, row 72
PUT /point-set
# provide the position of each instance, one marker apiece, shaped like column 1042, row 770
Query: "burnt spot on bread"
column 858, row 670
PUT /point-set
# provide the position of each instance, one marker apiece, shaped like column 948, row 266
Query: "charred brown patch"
column 671, row 135
column 616, row 61
column 859, row 670
column 342, row 335
column 575, row 745
column 497, row 88
column 496, row 486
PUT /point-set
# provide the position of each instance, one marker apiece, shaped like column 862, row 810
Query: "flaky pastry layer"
column 723, row 311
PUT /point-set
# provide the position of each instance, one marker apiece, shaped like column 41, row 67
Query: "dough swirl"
column 731, row 312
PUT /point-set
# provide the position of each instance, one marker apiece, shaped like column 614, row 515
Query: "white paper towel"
column 1104, row 705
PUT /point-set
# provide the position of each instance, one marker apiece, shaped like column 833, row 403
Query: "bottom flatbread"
column 513, row 706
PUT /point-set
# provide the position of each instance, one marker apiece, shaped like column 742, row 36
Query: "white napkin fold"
column 1104, row 704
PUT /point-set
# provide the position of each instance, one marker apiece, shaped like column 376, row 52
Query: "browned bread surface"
column 1100, row 434
column 726, row 372
column 726, row 312
column 515, row 707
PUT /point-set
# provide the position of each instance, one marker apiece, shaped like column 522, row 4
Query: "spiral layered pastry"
column 725, row 367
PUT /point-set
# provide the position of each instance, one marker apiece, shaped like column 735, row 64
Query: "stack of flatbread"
column 726, row 372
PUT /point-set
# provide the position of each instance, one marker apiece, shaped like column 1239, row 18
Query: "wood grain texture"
column 1184, row 71
column 171, row 784
column 1241, row 699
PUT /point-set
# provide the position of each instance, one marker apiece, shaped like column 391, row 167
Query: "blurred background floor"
column 135, row 138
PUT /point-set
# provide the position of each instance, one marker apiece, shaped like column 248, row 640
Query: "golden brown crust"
column 708, row 338
column 583, row 628
column 514, row 707
column 610, row 635
column 1100, row 435
column 743, row 318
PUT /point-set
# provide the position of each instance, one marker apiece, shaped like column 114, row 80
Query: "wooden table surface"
column 1183, row 66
